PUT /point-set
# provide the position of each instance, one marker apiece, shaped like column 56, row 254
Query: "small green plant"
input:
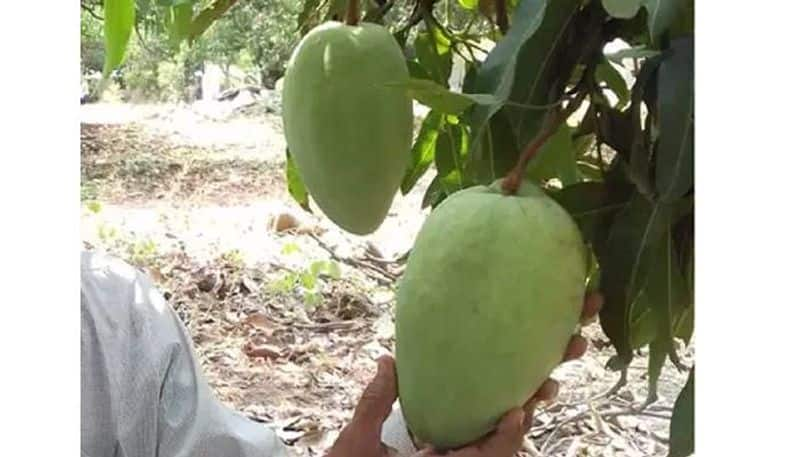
column 94, row 206
column 143, row 252
column 290, row 248
column 306, row 280
column 233, row 258
column 106, row 233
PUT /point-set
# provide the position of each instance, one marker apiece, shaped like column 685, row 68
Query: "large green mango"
column 490, row 297
column 348, row 132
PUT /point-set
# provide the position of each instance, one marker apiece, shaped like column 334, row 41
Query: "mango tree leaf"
column 667, row 294
column 434, row 52
column 297, row 189
column 207, row 16
column 635, row 52
column 683, row 24
column 644, row 323
column 681, row 427
column 655, row 363
column 622, row 9
column 555, row 159
column 496, row 74
column 535, row 81
column 415, row 70
column 625, row 260
column 118, row 18
column 538, row 28
column 451, row 148
column 439, row 98
column 641, row 149
column 423, row 151
column 675, row 150
column 309, row 9
column 497, row 151
column 588, row 203
column 661, row 14
column 336, row 9
column 606, row 72
column 468, row 4
column 434, row 194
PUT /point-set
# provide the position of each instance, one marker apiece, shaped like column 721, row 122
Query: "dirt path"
column 286, row 333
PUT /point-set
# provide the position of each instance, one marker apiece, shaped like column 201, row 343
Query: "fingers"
column 507, row 439
column 376, row 402
column 591, row 307
column 547, row 392
column 575, row 348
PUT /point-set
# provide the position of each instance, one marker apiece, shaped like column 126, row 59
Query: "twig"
column 352, row 16
column 91, row 12
column 603, row 415
column 335, row 325
column 383, row 277
column 514, row 178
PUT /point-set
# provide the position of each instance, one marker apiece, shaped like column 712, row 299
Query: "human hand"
column 362, row 436
column 507, row 438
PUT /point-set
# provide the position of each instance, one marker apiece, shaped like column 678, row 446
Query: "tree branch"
column 557, row 117
column 91, row 12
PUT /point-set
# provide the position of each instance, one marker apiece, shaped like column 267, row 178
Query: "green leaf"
column 675, row 150
column 541, row 78
column 290, row 248
column 310, row 9
column 317, row 267
column 297, row 189
column 588, row 203
column 681, row 427
column 422, row 153
column 118, row 18
column 625, row 259
column 606, row 72
column 661, row 14
column 639, row 169
column 434, row 194
column 439, row 98
column 333, row 270
column 657, row 356
column 308, row 279
column 336, row 9
column 208, row 16
column 667, row 294
column 622, row 9
column 497, row 152
column 468, row 4
column 451, row 149
column 434, row 53
column 499, row 72
column 635, row 52
column 644, row 323
column 555, row 159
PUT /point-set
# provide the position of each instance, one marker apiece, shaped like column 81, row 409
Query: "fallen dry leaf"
column 266, row 351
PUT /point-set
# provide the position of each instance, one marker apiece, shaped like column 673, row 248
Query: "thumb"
column 376, row 402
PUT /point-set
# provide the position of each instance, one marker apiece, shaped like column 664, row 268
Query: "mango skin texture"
column 348, row 132
column 492, row 292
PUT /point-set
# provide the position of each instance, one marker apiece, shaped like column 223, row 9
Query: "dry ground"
column 288, row 312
